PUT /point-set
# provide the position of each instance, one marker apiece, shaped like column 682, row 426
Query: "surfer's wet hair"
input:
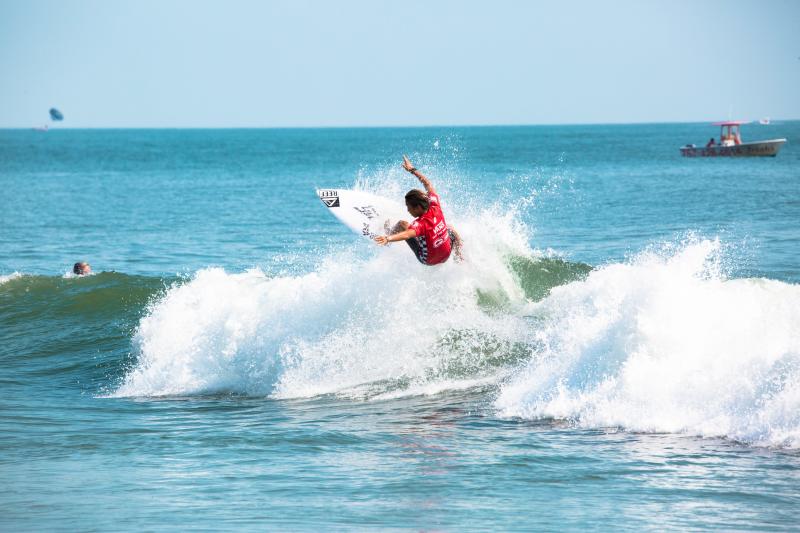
column 417, row 198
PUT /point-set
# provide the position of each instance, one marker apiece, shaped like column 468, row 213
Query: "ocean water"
column 620, row 348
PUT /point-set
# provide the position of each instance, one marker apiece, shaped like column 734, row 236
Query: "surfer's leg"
column 419, row 252
column 455, row 243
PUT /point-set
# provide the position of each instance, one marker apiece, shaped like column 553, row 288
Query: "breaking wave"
column 663, row 342
column 666, row 343
column 366, row 321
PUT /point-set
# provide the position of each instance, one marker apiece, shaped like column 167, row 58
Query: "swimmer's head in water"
column 81, row 268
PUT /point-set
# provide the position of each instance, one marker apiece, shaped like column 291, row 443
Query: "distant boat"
column 764, row 121
column 730, row 144
column 40, row 128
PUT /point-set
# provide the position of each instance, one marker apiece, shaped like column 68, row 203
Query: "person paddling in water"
column 427, row 235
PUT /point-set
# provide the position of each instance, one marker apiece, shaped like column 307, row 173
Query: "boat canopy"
column 730, row 123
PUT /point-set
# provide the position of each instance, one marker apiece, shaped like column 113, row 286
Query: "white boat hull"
column 750, row 149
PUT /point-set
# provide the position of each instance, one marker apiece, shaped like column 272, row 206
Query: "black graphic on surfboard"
column 329, row 197
column 368, row 211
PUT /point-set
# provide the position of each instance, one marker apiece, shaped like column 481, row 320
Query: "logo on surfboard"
column 368, row 211
column 329, row 197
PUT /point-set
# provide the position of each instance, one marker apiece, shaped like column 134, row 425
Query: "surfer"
column 428, row 235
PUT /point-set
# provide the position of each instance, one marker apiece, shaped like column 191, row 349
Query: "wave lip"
column 667, row 344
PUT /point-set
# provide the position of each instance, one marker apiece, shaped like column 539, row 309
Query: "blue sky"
column 174, row 63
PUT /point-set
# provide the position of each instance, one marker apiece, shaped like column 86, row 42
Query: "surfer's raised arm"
column 421, row 177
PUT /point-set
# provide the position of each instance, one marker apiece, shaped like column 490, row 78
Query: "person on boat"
column 727, row 140
column 81, row 269
column 710, row 142
column 428, row 235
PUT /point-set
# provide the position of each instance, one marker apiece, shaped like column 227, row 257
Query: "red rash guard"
column 432, row 235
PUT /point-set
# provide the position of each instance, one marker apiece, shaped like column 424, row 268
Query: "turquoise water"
column 621, row 347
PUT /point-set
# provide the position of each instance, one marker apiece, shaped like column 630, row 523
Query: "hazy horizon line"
column 388, row 126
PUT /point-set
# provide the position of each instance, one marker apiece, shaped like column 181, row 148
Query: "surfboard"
column 364, row 213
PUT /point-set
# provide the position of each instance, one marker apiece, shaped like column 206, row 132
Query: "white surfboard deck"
column 363, row 212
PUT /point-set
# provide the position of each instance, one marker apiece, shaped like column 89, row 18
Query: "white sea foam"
column 8, row 277
column 667, row 343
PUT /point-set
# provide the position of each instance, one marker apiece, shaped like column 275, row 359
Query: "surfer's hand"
column 407, row 164
column 383, row 240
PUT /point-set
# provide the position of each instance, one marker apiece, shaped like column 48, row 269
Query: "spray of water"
column 364, row 316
